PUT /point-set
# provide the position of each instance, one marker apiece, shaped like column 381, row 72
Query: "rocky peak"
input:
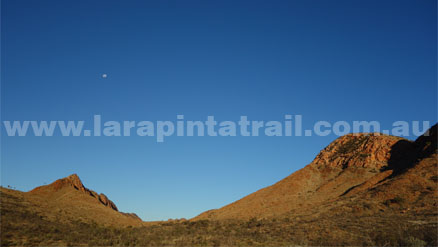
column 70, row 181
column 74, row 182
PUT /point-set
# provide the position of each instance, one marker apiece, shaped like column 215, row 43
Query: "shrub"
column 414, row 242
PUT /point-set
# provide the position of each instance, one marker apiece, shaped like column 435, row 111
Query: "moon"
column 104, row 76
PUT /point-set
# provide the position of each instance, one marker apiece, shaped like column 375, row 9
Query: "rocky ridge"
column 75, row 182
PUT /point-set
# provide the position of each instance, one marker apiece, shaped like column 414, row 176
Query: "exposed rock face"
column 357, row 150
column 75, row 182
column 72, row 180
column 350, row 165
column 107, row 202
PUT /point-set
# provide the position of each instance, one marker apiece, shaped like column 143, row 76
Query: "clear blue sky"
column 326, row 60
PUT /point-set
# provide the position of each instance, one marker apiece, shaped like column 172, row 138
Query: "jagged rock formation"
column 75, row 182
column 69, row 200
column 353, row 164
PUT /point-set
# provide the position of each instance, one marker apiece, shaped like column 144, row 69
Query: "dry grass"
column 21, row 225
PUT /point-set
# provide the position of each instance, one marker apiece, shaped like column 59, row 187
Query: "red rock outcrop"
column 357, row 150
column 74, row 182
column 107, row 202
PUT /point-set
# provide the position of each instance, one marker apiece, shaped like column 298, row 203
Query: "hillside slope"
column 372, row 167
column 67, row 199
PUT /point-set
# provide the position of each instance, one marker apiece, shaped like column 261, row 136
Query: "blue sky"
column 325, row 60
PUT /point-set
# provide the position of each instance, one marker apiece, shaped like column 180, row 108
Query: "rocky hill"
column 373, row 166
column 73, row 181
column 67, row 199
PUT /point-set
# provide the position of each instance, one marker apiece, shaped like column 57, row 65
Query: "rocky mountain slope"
column 72, row 181
column 374, row 167
column 67, row 199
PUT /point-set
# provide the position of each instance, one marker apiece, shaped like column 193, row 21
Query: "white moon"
column 104, row 75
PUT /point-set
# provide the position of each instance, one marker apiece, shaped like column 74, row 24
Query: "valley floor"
column 21, row 225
